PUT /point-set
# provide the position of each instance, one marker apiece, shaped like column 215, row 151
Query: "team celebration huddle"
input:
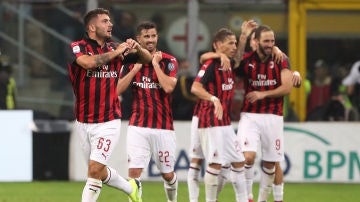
column 101, row 70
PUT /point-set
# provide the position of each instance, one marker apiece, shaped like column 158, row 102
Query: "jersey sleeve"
column 285, row 64
column 171, row 66
column 206, row 72
column 77, row 51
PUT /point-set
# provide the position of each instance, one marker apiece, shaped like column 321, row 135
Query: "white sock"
column 266, row 181
column 193, row 179
column 211, row 184
column 237, row 177
column 91, row 190
column 115, row 180
column 171, row 189
column 278, row 192
column 249, row 179
column 223, row 178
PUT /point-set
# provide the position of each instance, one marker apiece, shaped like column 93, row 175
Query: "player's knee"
column 168, row 176
column 249, row 158
column 134, row 172
column 215, row 166
column 238, row 164
column 97, row 170
column 268, row 165
column 196, row 161
column 249, row 161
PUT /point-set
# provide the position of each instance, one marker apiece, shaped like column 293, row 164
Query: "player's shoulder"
column 210, row 64
column 77, row 46
column 212, row 61
column 78, row 43
column 168, row 57
column 249, row 55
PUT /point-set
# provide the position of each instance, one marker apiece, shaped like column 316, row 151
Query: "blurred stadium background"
column 35, row 36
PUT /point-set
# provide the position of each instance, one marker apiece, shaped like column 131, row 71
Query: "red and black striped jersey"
column 219, row 83
column 151, row 107
column 196, row 109
column 262, row 76
column 95, row 89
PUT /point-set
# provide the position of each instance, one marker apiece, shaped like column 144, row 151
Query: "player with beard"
column 94, row 73
column 151, row 131
column 196, row 154
column 267, row 82
column 278, row 185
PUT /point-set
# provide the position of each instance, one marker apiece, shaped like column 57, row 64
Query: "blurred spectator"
column 339, row 106
column 288, row 111
column 352, row 84
column 35, row 39
column 319, row 93
column 7, row 84
column 66, row 19
column 183, row 100
column 9, row 25
column 339, row 93
column 124, row 25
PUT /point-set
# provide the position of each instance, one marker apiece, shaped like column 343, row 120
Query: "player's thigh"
column 212, row 144
column 138, row 147
column 195, row 145
column 163, row 143
column 248, row 132
column 231, row 146
column 81, row 131
column 272, row 138
column 103, row 139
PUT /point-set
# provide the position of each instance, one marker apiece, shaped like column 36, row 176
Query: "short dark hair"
column 260, row 29
column 93, row 14
column 145, row 25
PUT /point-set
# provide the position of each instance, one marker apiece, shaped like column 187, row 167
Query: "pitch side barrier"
column 324, row 152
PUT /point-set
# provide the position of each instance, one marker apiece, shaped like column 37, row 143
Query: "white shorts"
column 98, row 140
column 266, row 129
column 144, row 143
column 195, row 145
column 220, row 145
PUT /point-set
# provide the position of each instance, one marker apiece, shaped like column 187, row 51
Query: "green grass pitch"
column 62, row 191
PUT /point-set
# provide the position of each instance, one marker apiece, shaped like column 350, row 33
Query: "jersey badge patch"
column 76, row 49
column 201, row 73
column 171, row 66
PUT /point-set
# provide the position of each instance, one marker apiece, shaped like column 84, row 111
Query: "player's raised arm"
column 246, row 28
column 283, row 89
column 93, row 61
column 144, row 55
column 126, row 76
column 168, row 83
column 225, row 60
